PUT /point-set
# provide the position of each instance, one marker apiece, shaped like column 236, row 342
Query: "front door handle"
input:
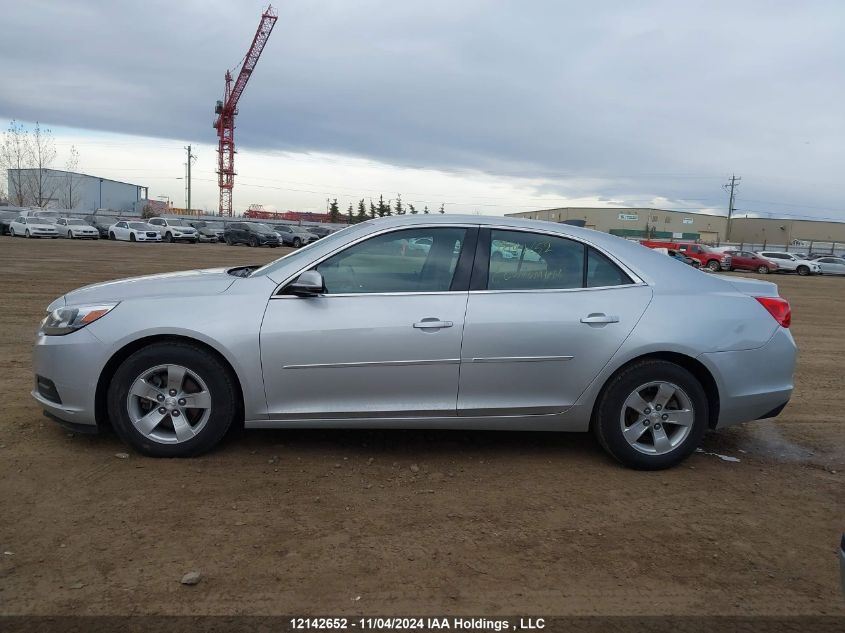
column 432, row 323
column 598, row 317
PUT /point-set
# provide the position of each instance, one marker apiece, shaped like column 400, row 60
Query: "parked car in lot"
column 101, row 223
column 292, row 235
column 746, row 260
column 706, row 257
column 128, row 231
column 578, row 332
column 831, row 265
column 6, row 218
column 790, row 262
column 174, row 230
column 74, row 228
column 31, row 226
column 251, row 234
column 209, row 230
column 320, row 231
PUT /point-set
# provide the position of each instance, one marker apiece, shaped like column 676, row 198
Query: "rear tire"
column 654, row 441
column 204, row 431
column 803, row 271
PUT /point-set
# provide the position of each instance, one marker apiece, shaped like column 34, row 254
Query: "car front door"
column 541, row 323
column 384, row 338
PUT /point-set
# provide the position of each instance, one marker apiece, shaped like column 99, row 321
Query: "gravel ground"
column 399, row 522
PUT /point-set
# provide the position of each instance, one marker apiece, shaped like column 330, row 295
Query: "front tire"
column 803, row 271
column 651, row 415
column 254, row 242
column 150, row 398
column 297, row 242
column 12, row 232
column 27, row 234
column 763, row 270
column 112, row 236
column 713, row 265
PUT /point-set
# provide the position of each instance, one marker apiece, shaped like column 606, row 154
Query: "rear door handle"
column 596, row 317
column 432, row 324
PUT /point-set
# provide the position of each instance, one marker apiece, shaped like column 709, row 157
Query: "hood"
column 41, row 225
column 208, row 231
column 184, row 284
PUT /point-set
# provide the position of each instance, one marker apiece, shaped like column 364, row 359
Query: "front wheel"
column 763, row 270
column 11, row 232
column 112, row 236
column 254, row 242
column 652, row 415
column 297, row 242
column 713, row 265
column 27, row 234
column 131, row 237
column 803, row 271
column 172, row 400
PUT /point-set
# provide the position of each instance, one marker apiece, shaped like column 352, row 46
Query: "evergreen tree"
column 372, row 209
column 349, row 214
column 425, row 210
column 442, row 207
column 334, row 212
column 362, row 211
column 383, row 209
column 412, row 209
column 400, row 210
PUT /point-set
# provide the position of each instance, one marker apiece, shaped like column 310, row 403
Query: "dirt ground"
column 392, row 522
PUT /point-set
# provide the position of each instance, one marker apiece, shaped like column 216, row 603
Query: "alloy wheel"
column 169, row 404
column 657, row 417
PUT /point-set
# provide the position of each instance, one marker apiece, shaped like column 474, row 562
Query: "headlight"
column 68, row 319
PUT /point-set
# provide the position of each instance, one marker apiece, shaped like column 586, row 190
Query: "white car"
column 74, row 228
column 174, row 230
column 30, row 226
column 788, row 262
column 129, row 231
column 831, row 265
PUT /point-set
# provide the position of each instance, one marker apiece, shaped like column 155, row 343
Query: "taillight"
column 778, row 308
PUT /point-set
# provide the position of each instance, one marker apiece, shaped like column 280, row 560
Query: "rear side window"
column 531, row 261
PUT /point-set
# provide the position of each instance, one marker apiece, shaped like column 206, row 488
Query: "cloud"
column 626, row 101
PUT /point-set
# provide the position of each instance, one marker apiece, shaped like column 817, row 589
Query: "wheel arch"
column 100, row 394
column 695, row 367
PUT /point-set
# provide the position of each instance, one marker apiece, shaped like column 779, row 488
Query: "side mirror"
column 308, row 284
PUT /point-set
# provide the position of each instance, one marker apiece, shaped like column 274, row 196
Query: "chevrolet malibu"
column 577, row 331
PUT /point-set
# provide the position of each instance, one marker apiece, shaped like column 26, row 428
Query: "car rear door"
column 542, row 324
column 382, row 341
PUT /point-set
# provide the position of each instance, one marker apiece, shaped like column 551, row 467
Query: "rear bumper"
column 755, row 383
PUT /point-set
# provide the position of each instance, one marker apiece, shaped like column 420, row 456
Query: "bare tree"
column 41, row 184
column 14, row 159
column 69, row 193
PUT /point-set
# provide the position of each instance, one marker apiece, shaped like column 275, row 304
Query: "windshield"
column 31, row 220
column 141, row 226
column 262, row 227
column 338, row 237
column 213, row 225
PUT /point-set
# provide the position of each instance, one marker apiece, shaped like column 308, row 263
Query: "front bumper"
column 73, row 363
column 754, row 383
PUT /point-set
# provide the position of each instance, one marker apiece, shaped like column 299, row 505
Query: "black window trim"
column 481, row 265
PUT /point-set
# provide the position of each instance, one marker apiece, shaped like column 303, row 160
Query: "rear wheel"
column 762, row 270
column 652, row 415
column 297, row 242
column 11, row 231
column 172, row 400
column 803, row 271
column 228, row 241
column 713, row 265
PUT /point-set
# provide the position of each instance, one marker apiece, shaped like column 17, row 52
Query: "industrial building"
column 638, row 222
column 54, row 188
column 774, row 231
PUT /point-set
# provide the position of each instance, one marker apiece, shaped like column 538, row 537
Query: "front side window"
column 530, row 261
column 391, row 263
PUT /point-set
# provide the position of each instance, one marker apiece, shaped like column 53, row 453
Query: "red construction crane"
column 228, row 108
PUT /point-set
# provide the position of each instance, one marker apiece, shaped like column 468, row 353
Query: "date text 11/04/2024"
column 417, row 624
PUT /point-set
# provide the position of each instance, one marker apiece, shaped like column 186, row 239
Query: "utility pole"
column 730, row 186
column 188, row 184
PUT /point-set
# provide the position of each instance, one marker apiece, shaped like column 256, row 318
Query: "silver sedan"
column 574, row 330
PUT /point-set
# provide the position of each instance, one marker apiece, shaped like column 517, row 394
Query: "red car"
column 746, row 260
column 706, row 257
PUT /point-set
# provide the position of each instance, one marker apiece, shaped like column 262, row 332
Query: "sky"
column 486, row 106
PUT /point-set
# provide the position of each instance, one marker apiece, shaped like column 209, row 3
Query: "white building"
column 54, row 188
